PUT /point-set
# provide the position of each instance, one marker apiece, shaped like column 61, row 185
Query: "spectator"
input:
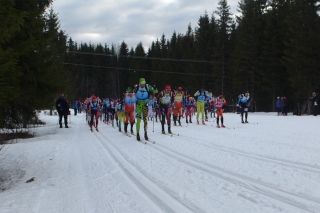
column 278, row 105
column 63, row 110
column 75, row 107
column 314, row 102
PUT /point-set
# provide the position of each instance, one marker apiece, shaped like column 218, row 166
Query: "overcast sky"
column 132, row 21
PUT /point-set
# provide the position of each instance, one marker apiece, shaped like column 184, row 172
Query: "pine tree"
column 224, row 23
column 302, row 48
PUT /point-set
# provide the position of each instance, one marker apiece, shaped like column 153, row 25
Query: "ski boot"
column 203, row 123
column 246, row 121
column 179, row 122
column 190, row 121
column 169, row 130
column 146, row 135
column 218, row 126
column 163, row 132
column 138, row 137
column 198, row 122
column 186, row 120
column 223, row 126
column 242, row 121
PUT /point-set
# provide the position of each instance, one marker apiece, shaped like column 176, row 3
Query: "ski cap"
column 142, row 81
column 129, row 89
column 167, row 87
column 179, row 88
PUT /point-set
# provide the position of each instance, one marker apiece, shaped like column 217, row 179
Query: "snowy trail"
column 138, row 178
column 249, row 168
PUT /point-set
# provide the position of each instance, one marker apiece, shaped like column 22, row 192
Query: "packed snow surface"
column 271, row 164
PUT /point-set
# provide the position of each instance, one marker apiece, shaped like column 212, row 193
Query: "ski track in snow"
column 107, row 171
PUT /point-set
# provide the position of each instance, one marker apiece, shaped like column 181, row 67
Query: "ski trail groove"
column 248, row 183
column 284, row 162
column 158, row 196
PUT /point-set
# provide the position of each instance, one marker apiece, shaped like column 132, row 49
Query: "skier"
column 244, row 102
column 203, row 95
column 129, row 108
column 94, row 107
column 177, row 106
column 314, row 101
column 142, row 94
column 219, row 103
column 120, row 113
column 156, row 109
column 188, row 104
column 165, row 100
column 150, row 107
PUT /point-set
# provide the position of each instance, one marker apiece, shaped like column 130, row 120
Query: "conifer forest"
column 272, row 48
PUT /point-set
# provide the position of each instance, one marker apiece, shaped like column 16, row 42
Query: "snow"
column 271, row 164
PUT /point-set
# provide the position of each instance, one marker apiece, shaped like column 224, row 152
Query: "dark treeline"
column 32, row 52
column 271, row 49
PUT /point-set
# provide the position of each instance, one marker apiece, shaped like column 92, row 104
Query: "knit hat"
column 167, row 87
column 142, row 81
column 129, row 89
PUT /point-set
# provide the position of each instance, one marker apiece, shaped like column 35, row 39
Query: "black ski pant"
column 65, row 116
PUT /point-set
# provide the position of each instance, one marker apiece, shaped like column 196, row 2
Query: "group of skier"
column 144, row 102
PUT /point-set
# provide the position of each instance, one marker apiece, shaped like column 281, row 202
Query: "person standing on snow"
column 314, row 102
column 165, row 100
column 219, row 103
column 62, row 107
column 129, row 108
column 278, row 105
column 203, row 95
column 244, row 102
column 142, row 94
column 75, row 107
column 177, row 106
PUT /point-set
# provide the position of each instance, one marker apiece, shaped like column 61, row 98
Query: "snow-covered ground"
column 271, row 164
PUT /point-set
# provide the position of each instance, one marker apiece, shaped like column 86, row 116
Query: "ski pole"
column 152, row 120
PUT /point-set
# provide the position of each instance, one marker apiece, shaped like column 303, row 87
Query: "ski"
column 150, row 141
column 142, row 141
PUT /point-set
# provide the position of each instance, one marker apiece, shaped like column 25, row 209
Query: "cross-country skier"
column 142, row 94
column 129, row 108
column 120, row 113
column 189, row 105
column 94, row 107
column 203, row 95
column 177, row 106
column 219, row 103
column 244, row 102
column 150, row 107
column 165, row 100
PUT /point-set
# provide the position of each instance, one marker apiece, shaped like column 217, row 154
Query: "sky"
column 133, row 21
column 271, row 164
